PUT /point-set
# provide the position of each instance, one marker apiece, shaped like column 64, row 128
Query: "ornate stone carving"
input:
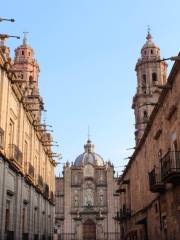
column 88, row 171
column 89, row 197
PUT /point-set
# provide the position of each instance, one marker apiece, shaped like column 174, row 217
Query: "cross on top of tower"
column 148, row 33
column 88, row 132
column 25, row 38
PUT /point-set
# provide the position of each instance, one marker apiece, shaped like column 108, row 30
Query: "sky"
column 87, row 51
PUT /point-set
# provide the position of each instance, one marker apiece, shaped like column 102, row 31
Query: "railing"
column 46, row 191
column 31, row 170
column 15, row 154
column 123, row 214
column 52, row 197
column 170, row 164
column 40, row 181
column 1, row 138
column 155, row 181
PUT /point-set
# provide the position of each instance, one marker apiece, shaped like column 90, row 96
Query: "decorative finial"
column 148, row 33
column 25, row 38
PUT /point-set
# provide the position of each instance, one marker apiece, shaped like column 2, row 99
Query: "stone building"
column 27, row 179
column 149, row 188
column 86, row 201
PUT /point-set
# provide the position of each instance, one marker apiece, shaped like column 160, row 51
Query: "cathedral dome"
column 89, row 156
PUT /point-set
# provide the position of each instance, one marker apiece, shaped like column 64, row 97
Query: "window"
column 23, row 219
column 7, row 217
column 22, row 52
column 29, row 53
column 11, row 135
column 151, row 51
column 145, row 115
column 30, row 79
column 154, row 77
column 156, row 208
column 1, row 137
column 144, row 83
column 25, row 155
column 144, row 52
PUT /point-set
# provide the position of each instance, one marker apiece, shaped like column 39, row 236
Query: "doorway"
column 89, row 230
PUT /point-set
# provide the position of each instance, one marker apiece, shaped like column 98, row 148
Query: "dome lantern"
column 89, row 156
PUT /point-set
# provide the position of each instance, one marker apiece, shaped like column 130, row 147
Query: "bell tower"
column 151, row 74
column 27, row 71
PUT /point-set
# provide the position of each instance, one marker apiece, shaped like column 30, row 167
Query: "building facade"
column 149, row 188
column 27, row 179
column 86, row 201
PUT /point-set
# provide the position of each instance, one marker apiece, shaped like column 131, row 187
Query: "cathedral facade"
column 86, row 202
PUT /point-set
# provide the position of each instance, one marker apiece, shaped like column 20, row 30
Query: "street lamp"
column 6, row 19
column 5, row 36
column 174, row 58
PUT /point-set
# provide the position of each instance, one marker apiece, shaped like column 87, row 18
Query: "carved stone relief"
column 76, row 198
column 88, row 171
column 89, row 193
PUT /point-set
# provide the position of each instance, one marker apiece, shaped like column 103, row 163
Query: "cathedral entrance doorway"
column 89, row 230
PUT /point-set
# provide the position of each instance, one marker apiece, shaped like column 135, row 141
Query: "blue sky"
column 87, row 51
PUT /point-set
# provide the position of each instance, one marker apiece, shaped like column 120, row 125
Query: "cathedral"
column 86, row 198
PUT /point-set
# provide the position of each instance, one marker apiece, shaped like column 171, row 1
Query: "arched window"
column 144, row 83
column 30, row 78
column 154, row 77
column 145, row 115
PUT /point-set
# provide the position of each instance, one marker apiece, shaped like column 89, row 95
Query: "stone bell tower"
column 151, row 74
column 27, row 71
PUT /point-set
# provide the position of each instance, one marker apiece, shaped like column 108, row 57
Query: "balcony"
column 15, row 157
column 40, row 181
column 155, row 183
column 1, row 138
column 170, row 167
column 51, row 197
column 30, row 173
column 46, row 191
column 39, row 185
column 123, row 214
column 121, row 190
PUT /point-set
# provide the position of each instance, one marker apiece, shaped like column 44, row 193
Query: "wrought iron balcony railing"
column 51, row 197
column 155, row 181
column 46, row 191
column 1, row 138
column 31, row 170
column 170, row 167
column 40, row 181
column 30, row 173
column 15, row 155
column 123, row 214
